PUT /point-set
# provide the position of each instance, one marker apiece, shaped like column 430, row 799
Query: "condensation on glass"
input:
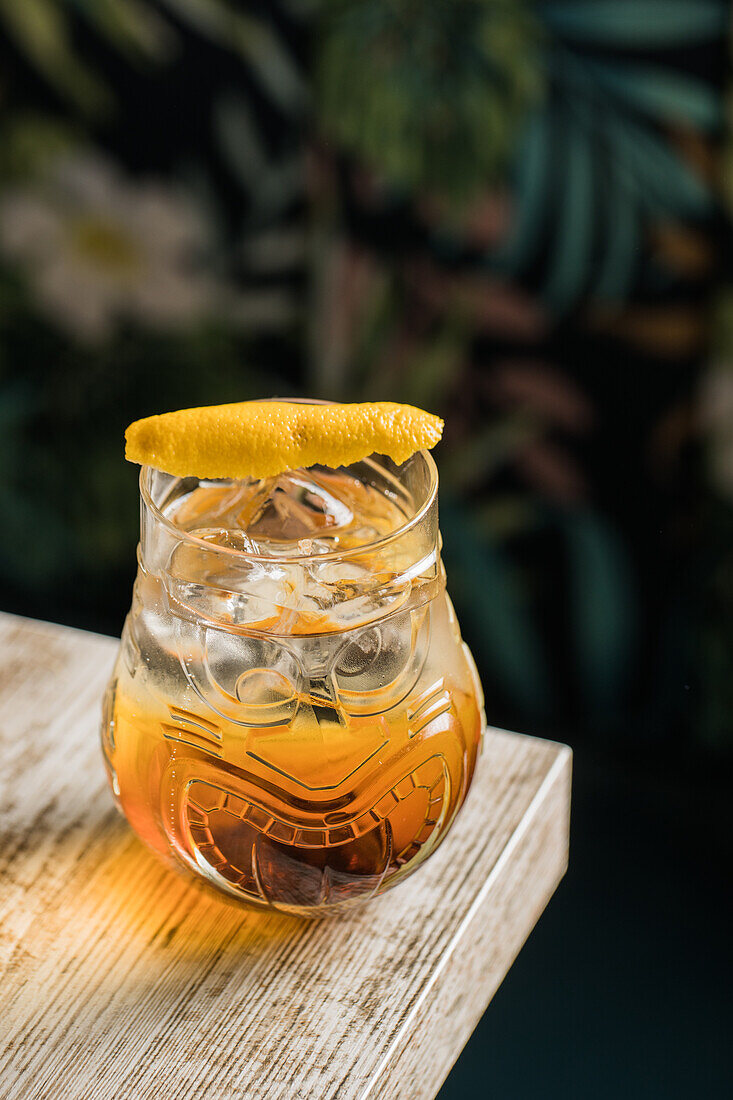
column 293, row 716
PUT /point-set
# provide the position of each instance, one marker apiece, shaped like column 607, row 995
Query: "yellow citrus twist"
column 264, row 438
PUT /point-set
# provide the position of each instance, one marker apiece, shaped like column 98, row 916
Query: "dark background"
column 515, row 213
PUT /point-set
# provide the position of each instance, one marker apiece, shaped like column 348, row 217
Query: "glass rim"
column 145, row 480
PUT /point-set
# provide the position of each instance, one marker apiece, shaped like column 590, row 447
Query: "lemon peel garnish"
column 264, row 438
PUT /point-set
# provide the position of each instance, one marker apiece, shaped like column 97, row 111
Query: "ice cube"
column 292, row 507
column 231, row 539
column 210, row 505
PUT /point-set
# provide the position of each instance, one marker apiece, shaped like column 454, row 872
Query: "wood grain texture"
column 121, row 981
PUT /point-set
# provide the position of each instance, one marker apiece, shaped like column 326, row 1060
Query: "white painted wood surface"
column 121, row 981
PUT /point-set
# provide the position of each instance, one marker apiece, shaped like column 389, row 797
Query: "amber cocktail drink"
column 293, row 715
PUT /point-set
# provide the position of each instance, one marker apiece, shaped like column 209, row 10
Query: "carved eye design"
column 380, row 665
column 251, row 681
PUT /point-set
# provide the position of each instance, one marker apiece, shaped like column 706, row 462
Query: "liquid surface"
column 301, row 769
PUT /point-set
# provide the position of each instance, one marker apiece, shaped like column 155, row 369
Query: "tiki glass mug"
column 293, row 716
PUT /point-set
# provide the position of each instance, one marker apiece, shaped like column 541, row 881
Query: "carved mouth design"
column 258, row 853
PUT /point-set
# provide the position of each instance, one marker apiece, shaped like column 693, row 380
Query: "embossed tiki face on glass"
column 293, row 715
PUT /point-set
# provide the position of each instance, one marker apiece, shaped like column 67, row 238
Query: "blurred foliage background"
column 511, row 212
column 516, row 213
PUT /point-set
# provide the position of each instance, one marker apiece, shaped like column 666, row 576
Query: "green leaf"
column 602, row 607
column 40, row 32
column 488, row 595
column 531, row 191
column 659, row 176
column 272, row 64
column 253, row 39
column 637, row 23
column 272, row 184
column 430, row 96
column 670, row 97
column 238, row 138
column 573, row 240
column 621, row 217
column 131, row 25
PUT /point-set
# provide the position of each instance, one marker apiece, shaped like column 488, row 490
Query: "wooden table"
column 122, row 981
